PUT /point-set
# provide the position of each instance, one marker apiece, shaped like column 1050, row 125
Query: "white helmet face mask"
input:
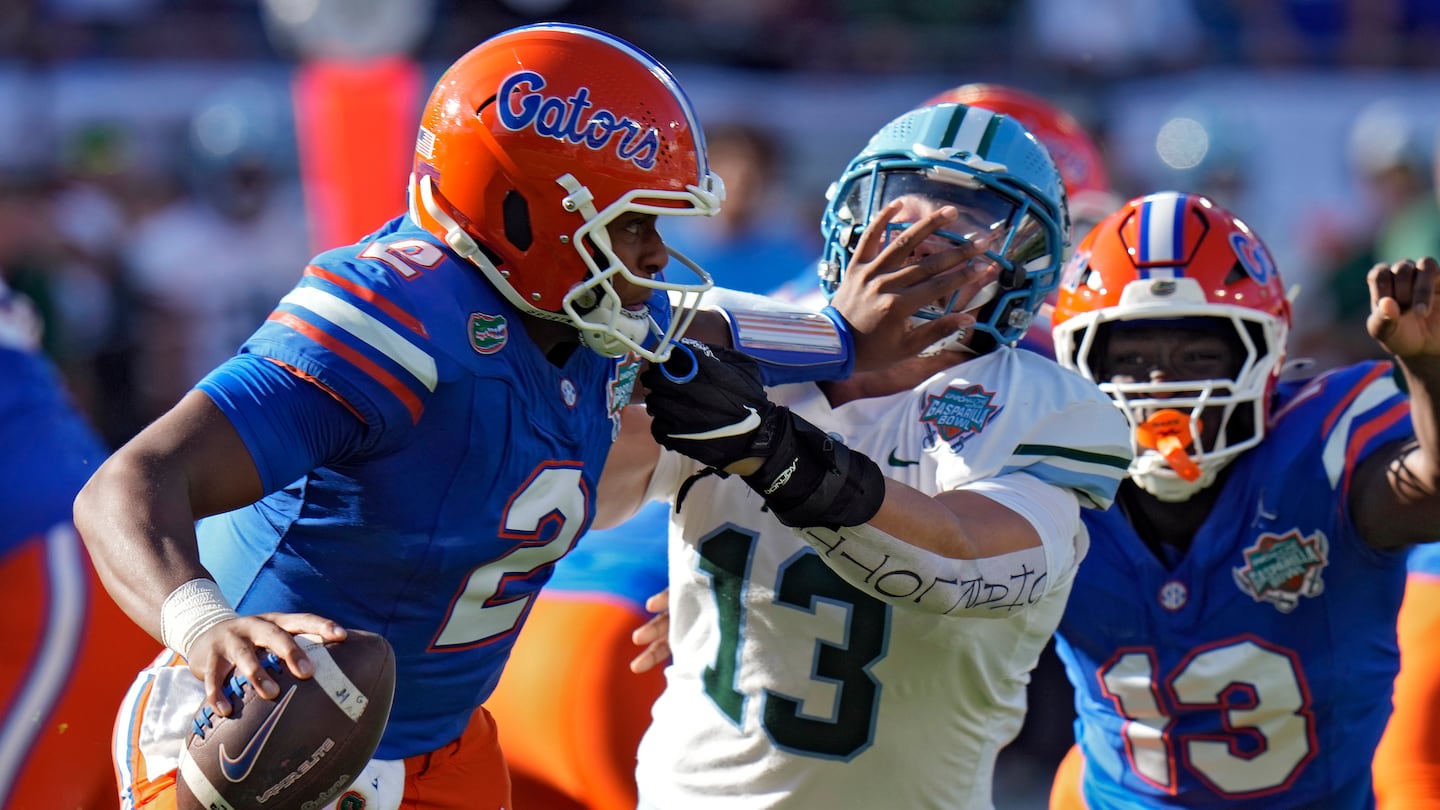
column 595, row 308
column 1237, row 405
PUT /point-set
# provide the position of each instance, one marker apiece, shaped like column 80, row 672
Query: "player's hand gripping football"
column 1404, row 317
column 883, row 287
column 707, row 402
column 232, row 647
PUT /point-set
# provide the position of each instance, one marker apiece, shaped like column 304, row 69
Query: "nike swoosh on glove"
column 708, row 403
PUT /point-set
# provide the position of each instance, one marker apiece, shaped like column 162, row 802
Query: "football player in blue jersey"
column 70, row 651
column 416, row 433
column 1231, row 636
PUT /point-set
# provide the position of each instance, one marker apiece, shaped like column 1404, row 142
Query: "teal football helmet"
column 1004, row 182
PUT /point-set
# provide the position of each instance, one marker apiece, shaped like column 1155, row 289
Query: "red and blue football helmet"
column 531, row 144
column 1179, row 259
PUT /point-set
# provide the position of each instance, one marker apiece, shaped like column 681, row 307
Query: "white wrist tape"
column 894, row 571
column 190, row 610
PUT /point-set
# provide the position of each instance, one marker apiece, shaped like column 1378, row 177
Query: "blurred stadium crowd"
column 130, row 117
column 139, row 136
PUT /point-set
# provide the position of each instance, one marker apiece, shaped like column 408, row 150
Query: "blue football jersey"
column 1257, row 671
column 476, row 472
column 50, row 450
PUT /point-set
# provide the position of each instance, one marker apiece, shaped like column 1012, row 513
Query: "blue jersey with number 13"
column 1255, row 672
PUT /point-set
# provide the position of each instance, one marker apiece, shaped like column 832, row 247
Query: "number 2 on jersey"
column 553, row 494
column 801, row 583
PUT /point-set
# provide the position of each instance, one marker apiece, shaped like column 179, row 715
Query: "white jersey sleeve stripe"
column 382, row 338
column 1337, row 443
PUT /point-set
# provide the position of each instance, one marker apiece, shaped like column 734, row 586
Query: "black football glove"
column 707, row 402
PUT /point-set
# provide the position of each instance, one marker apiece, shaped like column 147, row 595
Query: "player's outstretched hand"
column 882, row 289
column 653, row 635
column 232, row 647
column 1403, row 311
column 706, row 402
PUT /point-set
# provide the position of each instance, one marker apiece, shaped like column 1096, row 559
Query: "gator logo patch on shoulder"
column 1280, row 569
column 959, row 412
column 488, row 333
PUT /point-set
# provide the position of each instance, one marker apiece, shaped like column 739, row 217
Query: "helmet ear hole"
column 1236, row 275
column 516, row 213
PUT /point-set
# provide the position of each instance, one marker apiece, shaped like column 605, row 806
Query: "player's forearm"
column 627, row 471
column 955, row 524
column 1412, row 476
column 1422, row 375
column 1395, row 493
column 139, row 530
column 917, row 554
column 789, row 342
column 710, row 327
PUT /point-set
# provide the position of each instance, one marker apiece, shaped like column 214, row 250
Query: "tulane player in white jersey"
column 1231, row 636
column 862, row 574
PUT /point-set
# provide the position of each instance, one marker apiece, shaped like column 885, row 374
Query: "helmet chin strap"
column 632, row 324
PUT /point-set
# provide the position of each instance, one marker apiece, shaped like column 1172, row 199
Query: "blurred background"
column 168, row 166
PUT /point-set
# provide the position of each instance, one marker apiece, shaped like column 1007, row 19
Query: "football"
column 299, row 751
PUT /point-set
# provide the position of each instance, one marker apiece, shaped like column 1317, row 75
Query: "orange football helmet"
column 1074, row 152
column 531, row 143
column 1178, row 258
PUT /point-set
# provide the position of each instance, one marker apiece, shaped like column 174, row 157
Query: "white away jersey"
column 791, row 688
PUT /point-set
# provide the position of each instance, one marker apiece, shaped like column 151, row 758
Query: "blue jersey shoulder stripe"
column 363, row 327
column 392, row 384
column 1358, row 418
column 395, row 311
column 343, row 317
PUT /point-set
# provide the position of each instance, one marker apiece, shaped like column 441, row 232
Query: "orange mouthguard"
column 1168, row 433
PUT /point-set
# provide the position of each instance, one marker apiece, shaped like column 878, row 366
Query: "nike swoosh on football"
column 901, row 462
column 740, row 428
column 237, row 768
